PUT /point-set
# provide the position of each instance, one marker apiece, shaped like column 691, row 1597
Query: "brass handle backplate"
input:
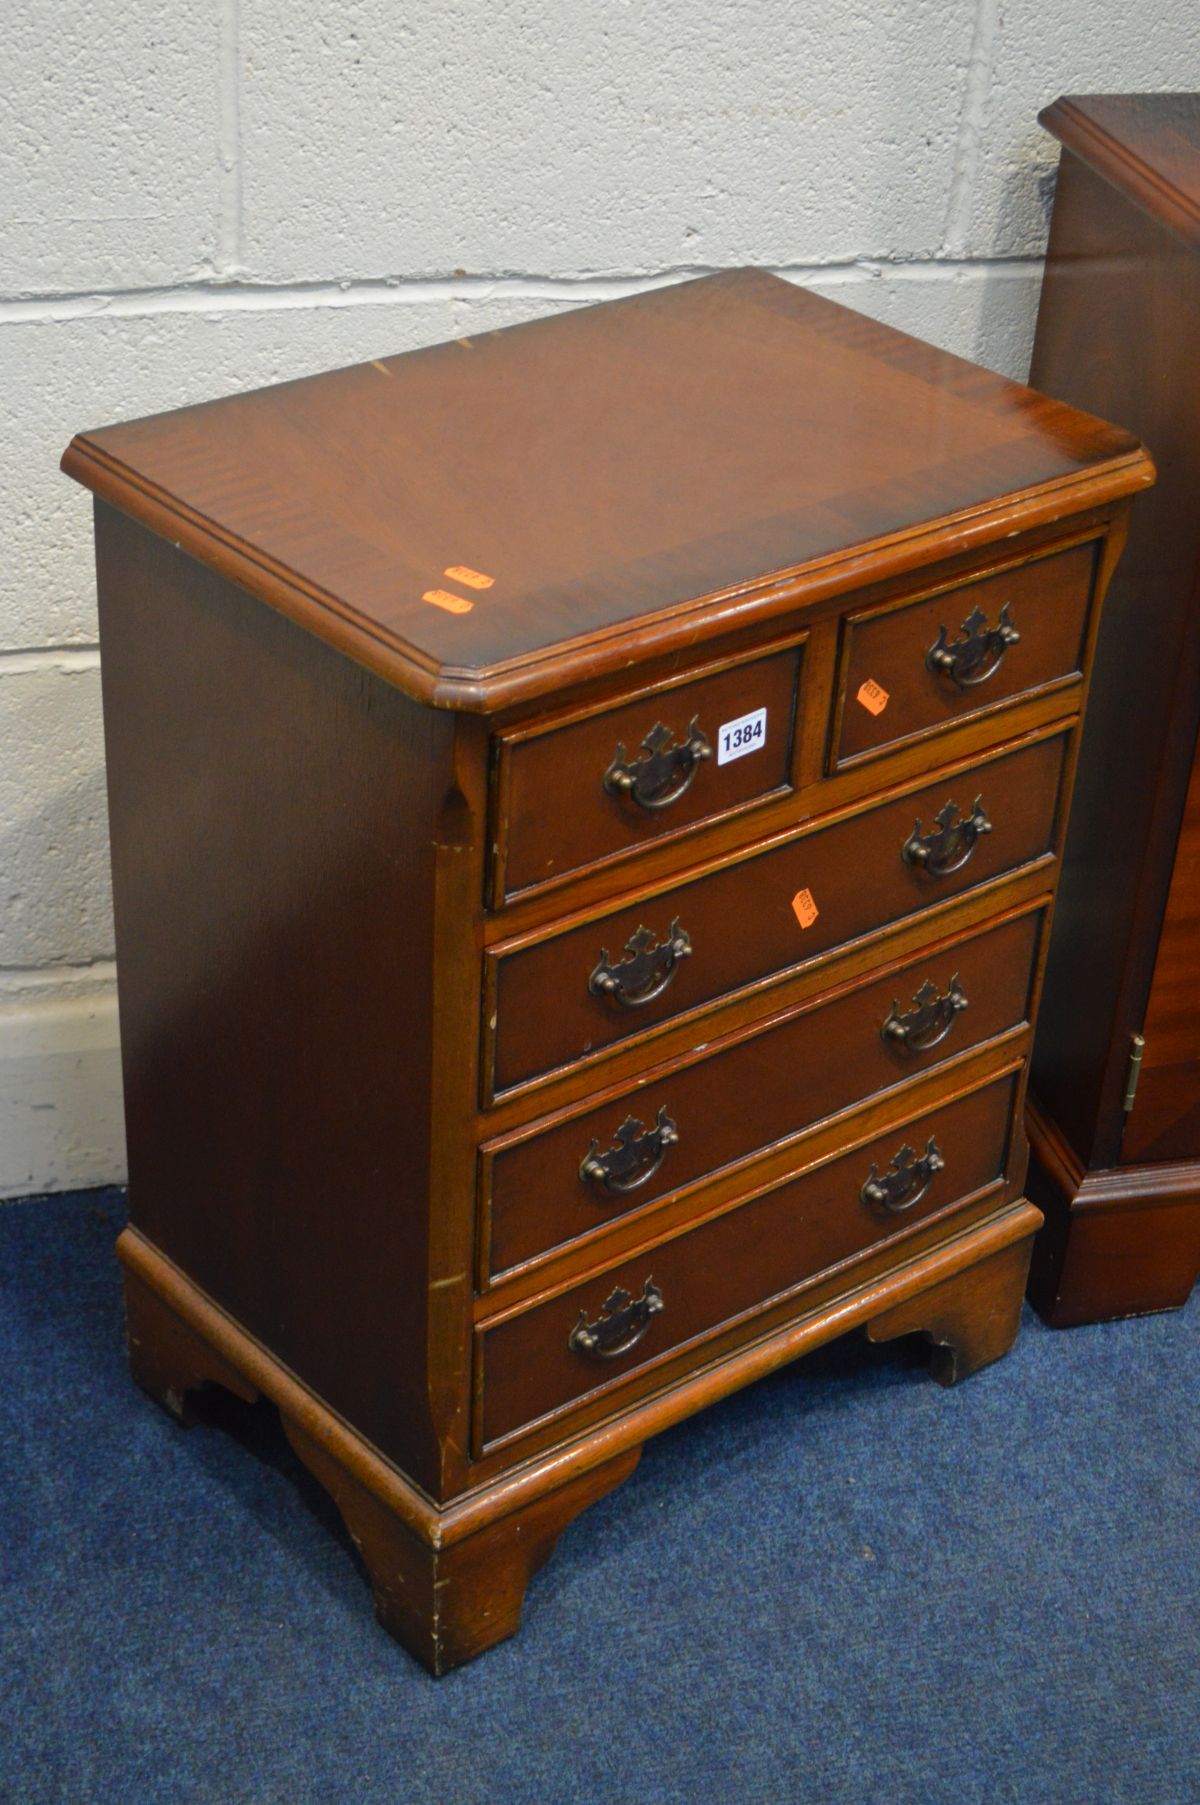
column 660, row 773
column 634, row 1157
column 906, row 1180
column 978, row 653
column 622, row 1322
column 950, row 841
column 930, row 1019
column 646, row 969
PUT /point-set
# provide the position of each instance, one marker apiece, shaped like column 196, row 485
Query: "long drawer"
column 569, row 995
column 543, row 1360
column 545, row 1188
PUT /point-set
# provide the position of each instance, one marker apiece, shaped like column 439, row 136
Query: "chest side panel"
column 272, row 809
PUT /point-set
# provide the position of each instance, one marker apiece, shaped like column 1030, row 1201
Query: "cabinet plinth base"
column 1123, row 1241
column 971, row 1319
column 447, row 1583
column 449, row 1579
column 447, row 1604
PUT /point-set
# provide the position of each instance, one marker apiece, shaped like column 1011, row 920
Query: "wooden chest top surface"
column 665, row 466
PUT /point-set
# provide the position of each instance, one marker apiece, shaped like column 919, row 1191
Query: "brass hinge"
column 1137, row 1046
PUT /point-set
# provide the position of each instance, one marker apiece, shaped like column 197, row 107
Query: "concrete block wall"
column 223, row 193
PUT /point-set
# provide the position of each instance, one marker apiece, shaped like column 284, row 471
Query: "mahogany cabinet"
column 586, row 804
column 1114, row 1110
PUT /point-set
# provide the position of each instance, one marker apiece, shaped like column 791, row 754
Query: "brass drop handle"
column 950, row 841
column 646, row 969
column 906, row 1180
column 930, row 1019
column 979, row 651
column 622, row 1322
column 634, row 1157
column 660, row 773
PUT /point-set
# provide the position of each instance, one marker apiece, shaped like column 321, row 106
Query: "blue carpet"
column 844, row 1584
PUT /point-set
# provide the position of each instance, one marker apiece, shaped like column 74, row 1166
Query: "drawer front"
column 557, row 1353
column 921, row 665
column 546, row 1190
column 765, row 915
column 593, row 786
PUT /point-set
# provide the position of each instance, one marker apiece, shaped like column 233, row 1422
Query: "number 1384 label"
column 747, row 734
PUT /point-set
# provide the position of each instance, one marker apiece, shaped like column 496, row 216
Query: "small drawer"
column 545, row 1189
column 594, row 1336
column 568, row 996
column 916, row 666
column 598, row 784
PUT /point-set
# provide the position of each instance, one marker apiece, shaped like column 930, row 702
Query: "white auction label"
column 747, row 734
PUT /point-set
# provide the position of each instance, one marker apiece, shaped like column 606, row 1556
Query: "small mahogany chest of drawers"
column 585, row 811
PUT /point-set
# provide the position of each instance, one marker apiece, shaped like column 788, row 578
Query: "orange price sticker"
column 873, row 696
column 804, row 908
column 474, row 579
column 453, row 604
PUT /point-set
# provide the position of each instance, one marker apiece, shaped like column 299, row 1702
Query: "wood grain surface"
column 605, row 468
column 264, row 929
column 760, row 1092
column 745, row 924
column 552, row 812
column 738, row 1262
column 1116, row 333
column 888, row 691
column 1164, row 1123
column 1147, row 146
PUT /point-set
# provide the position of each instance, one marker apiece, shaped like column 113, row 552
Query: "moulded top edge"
column 1148, row 145
column 490, row 689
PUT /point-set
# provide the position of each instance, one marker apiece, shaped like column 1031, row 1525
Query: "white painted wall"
column 206, row 196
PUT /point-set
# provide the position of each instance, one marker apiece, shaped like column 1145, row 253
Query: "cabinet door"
column 1165, row 1120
